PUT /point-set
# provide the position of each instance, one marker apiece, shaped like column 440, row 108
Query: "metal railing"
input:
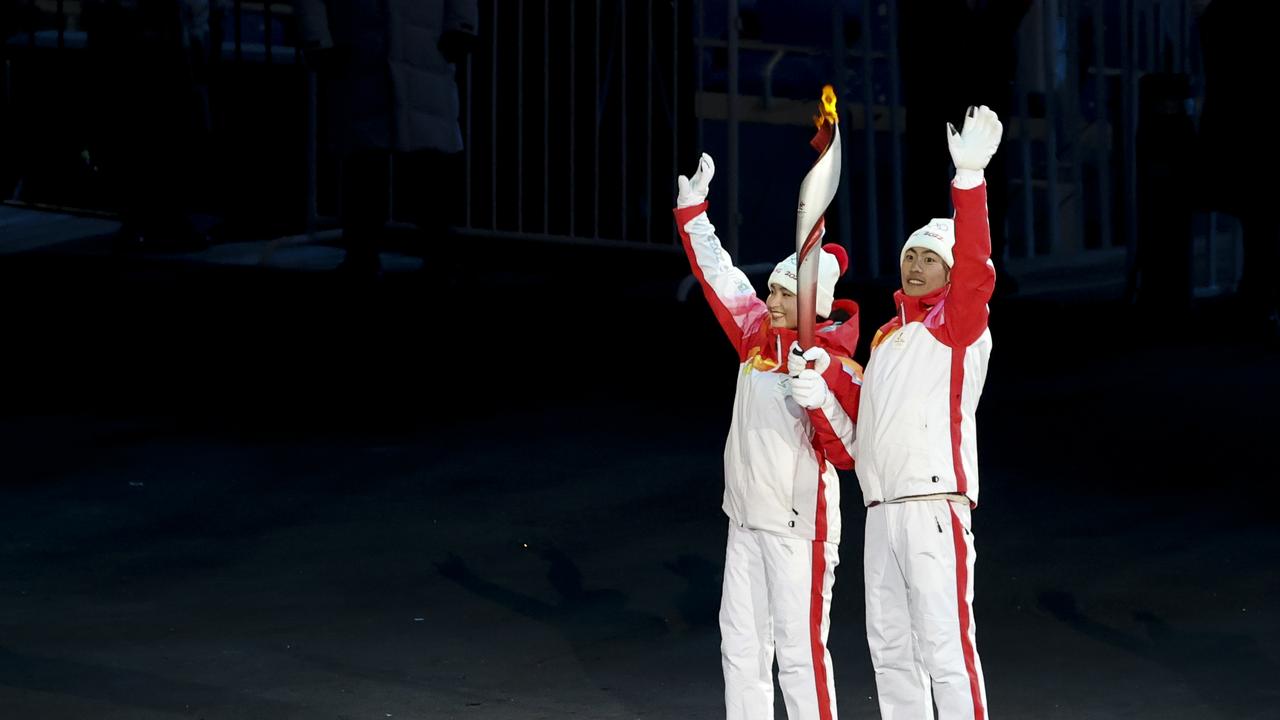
column 588, row 150
column 578, row 114
column 1070, row 143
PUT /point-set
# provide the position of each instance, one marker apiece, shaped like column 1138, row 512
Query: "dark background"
column 485, row 483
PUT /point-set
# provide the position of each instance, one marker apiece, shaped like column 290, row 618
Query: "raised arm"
column 727, row 289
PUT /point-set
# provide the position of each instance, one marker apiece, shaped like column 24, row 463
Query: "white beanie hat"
column 832, row 262
column 939, row 236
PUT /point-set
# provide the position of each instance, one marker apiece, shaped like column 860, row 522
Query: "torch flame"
column 828, row 109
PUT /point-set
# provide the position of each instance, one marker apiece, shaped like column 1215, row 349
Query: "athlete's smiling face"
column 923, row 272
column 782, row 307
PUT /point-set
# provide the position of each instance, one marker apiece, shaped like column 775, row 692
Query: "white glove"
column 973, row 146
column 798, row 360
column 694, row 191
column 809, row 389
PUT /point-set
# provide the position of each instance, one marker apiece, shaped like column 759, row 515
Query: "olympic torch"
column 816, row 192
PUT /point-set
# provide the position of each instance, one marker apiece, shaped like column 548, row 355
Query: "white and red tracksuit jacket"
column 916, row 429
column 780, row 460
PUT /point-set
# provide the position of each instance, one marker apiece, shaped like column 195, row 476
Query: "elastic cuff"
column 968, row 179
column 685, row 214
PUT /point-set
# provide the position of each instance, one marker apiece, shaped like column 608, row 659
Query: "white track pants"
column 776, row 600
column 918, row 560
